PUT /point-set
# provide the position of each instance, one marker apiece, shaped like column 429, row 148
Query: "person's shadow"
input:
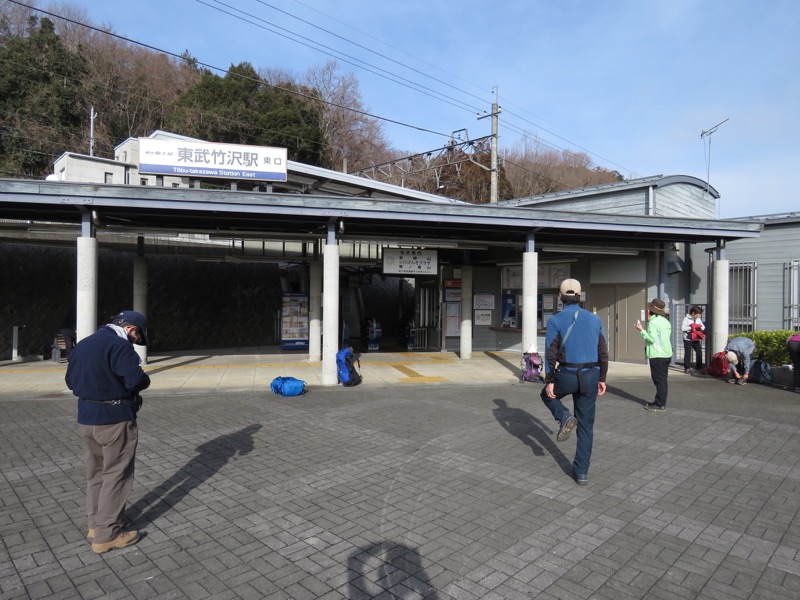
column 213, row 455
column 530, row 431
column 388, row 567
column 624, row 395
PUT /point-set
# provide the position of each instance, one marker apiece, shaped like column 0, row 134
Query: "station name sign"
column 409, row 261
column 182, row 158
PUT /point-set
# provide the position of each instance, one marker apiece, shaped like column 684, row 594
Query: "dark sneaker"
column 653, row 407
column 741, row 382
column 581, row 478
column 567, row 425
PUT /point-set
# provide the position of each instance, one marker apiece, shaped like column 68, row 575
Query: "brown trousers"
column 109, row 452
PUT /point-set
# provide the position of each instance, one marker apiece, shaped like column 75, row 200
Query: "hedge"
column 770, row 346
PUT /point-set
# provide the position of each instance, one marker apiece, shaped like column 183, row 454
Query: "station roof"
column 28, row 207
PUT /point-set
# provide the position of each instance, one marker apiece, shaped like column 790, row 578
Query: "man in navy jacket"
column 104, row 373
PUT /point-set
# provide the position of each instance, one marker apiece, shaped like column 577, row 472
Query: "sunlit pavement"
column 435, row 478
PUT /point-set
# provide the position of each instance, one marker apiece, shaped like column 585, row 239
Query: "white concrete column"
column 530, row 309
column 719, row 305
column 86, row 287
column 330, row 313
column 315, row 311
column 140, row 281
column 466, row 312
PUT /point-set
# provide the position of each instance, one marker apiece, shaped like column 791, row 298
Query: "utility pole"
column 92, row 116
column 493, row 172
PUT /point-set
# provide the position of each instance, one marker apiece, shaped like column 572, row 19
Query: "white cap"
column 570, row 287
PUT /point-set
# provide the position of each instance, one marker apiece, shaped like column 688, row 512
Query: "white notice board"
column 409, row 261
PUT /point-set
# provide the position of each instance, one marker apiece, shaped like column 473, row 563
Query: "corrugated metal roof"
column 611, row 188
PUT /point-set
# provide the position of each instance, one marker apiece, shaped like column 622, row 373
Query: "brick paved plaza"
column 438, row 490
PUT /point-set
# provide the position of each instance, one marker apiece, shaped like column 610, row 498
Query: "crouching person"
column 739, row 353
column 105, row 375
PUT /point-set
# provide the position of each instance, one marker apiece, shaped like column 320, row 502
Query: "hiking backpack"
column 531, row 367
column 288, row 386
column 760, row 372
column 346, row 369
column 719, row 365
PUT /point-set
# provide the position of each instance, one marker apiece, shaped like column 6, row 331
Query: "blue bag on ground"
column 345, row 367
column 288, row 386
column 761, row 372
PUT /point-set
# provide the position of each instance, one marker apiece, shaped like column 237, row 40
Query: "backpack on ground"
column 719, row 365
column 760, row 372
column 288, row 386
column 345, row 367
column 531, row 367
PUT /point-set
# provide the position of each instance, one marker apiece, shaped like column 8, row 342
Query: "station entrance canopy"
column 45, row 211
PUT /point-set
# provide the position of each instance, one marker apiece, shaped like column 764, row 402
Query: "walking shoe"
column 581, row 478
column 567, row 425
column 741, row 382
column 653, row 407
column 123, row 540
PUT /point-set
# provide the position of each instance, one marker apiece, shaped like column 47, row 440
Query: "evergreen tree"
column 240, row 108
column 41, row 108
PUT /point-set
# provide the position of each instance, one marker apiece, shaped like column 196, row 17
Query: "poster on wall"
column 294, row 321
column 483, row 317
column 482, row 300
column 511, row 277
column 452, row 319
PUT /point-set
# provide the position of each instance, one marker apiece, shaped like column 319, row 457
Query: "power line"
column 382, row 41
column 221, row 70
column 349, row 59
column 349, row 41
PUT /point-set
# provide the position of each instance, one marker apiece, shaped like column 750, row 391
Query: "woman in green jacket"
column 657, row 337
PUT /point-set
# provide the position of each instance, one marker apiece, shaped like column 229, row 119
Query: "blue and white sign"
column 205, row 159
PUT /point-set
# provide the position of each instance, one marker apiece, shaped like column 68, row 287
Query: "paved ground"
column 436, row 478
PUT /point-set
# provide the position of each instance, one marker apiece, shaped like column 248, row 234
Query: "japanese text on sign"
column 203, row 159
column 409, row 261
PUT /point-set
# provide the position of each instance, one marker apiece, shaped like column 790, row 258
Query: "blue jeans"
column 584, row 402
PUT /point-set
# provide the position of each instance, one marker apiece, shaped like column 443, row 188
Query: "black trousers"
column 794, row 351
column 659, row 368
column 695, row 346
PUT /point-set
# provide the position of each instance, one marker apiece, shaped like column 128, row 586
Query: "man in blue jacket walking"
column 104, row 373
column 576, row 362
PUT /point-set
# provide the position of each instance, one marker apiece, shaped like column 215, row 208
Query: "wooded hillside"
column 54, row 70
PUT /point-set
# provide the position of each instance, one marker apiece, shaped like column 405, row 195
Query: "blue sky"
column 631, row 82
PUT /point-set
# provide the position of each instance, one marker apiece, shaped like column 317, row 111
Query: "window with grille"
column 742, row 313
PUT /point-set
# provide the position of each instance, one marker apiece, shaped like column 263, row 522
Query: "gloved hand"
column 137, row 403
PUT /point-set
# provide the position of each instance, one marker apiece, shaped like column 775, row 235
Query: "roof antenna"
column 707, row 153
column 706, row 134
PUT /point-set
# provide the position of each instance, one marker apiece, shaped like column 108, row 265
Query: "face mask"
column 134, row 335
